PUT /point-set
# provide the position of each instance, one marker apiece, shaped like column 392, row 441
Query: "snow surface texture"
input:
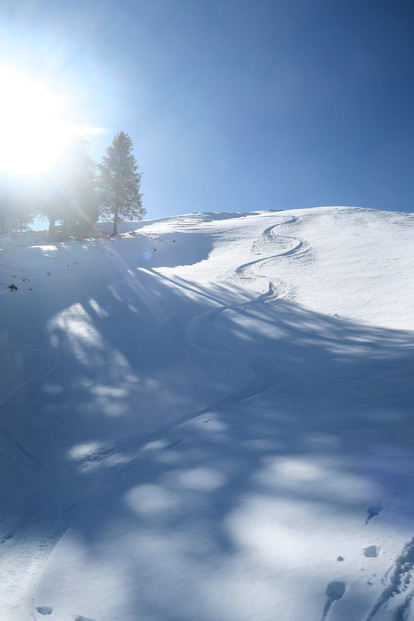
column 209, row 417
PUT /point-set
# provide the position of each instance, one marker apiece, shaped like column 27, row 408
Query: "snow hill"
column 210, row 418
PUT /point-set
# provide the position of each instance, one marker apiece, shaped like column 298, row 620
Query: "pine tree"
column 120, row 182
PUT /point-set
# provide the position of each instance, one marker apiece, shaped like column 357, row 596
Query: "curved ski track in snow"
column 296, row 247
column 263, row 374
column 203, row 324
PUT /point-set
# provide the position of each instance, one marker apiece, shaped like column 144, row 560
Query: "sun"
column 33, row 130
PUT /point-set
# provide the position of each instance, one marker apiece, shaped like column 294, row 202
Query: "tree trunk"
column 52, row 228
column 66, row 227
column 116, row 218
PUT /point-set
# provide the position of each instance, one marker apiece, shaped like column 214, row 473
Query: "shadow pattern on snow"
column 196, row 507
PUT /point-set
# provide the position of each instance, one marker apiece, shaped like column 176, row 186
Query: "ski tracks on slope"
column 200, row 333
column 17, row 391
column 286, row 246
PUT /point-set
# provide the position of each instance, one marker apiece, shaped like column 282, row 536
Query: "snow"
column 209, row 417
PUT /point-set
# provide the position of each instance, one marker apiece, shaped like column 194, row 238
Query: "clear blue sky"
column 237, row 105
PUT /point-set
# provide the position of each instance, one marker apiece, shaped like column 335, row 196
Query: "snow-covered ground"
column 210, row 417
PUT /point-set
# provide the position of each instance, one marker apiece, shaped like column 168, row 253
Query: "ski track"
column 20, row 546
column 297, row 248
column 17, row 392
column 55, row 514
column 203, row 324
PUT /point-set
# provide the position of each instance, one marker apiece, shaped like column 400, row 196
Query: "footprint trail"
column 398, row 579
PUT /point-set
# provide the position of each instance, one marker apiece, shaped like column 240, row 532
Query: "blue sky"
column 236, row 105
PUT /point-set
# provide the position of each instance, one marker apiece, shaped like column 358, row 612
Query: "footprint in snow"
column 44, row 610
column 6, row 537
column 80, row 618
column 373, row 511
column 334, row 591
column 396, row 582
column 372, row 551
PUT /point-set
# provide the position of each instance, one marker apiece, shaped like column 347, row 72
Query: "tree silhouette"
column 120, row 182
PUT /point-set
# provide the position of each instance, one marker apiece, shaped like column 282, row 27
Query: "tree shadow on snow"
column 191, row 438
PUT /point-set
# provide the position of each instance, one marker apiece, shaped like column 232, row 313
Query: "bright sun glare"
column 33, row 131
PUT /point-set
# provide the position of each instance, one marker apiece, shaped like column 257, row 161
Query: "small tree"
column 120, row 182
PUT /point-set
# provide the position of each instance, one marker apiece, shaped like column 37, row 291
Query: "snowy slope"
column 209, row 417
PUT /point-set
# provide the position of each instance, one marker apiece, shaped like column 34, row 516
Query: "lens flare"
column 34, row 127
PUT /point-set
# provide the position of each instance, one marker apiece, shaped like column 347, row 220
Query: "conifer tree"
column 120, row 182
